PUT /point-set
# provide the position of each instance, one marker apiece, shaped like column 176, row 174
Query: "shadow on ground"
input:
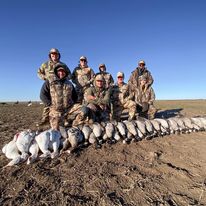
column 169, row 113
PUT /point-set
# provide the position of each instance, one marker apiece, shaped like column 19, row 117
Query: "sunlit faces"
column 141, row 65
column 102, row 69
column 61, row 73
column 143, row 82
column 54, row 56
column 120, row 79
column 99, row 83
column 83, row 62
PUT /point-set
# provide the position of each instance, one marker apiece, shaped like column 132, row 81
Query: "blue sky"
column 170, row 35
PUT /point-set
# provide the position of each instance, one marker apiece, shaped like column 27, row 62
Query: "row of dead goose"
column 28, row 146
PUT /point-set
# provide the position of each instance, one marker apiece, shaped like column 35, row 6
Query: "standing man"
column 144, row 98
column 83, row 77
column 109, row 81
column 46, row 72
column 141, row 70
column 121, row 99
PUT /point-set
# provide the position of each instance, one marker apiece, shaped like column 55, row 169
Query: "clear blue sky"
column 170, row 35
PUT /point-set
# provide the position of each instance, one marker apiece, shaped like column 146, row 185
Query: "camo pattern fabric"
column 134, row 78
column 121, row 99
column 144, row 95
column 56, row 118
column 61, row 95
column 102, row 96
column 46, row 71
column 45, row 113
column 83, row 78
column 100, row 105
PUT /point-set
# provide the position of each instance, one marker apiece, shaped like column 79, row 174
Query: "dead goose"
column 181, row 124
column 157, row 126
column 122, row 129
column 92, row 138
column 174, row 128
column 75, row 137
column 23, row 142
column 11, row 152
column 86, row 130
column 164, row 125
column 149, row 128
column 198, row 122
column 188, row 123
column 49, row 139
column 97, row 129
column 33, row 150
column 131, row 127
column 109, row 129
column 203, row 120
column 142, row 127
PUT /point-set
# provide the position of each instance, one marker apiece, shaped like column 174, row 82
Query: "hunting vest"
column 83, row 76
column 120, row 94
column 61, row 94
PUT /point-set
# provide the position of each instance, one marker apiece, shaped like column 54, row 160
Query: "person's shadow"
column 168, row 113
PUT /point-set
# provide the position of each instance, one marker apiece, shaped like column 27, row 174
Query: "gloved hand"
column 145, row 106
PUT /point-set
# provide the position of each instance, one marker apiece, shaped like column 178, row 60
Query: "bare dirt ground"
column 162, row 171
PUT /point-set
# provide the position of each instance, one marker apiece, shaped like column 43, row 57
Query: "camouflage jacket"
column 61, row 94
column 120, row 94
column 45, row 94
column 133, row 80
column 102, row 96
column 82, row 77
column 109, row 81
column 147, row 96
column 46, row 71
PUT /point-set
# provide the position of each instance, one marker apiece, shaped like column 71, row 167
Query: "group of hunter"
column 82, row 96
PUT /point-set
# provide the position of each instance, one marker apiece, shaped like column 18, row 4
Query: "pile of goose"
column 28, row 145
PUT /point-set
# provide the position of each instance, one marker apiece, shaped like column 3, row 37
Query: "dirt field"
column 162, row 171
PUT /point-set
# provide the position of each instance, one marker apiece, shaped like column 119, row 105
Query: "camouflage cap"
column 141, row 62
column 54, row 50
column 83, row 58
column 61, row 68
column 120, row 74
column 99, row 77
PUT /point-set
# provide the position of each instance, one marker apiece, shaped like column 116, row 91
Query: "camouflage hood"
column 57, row 67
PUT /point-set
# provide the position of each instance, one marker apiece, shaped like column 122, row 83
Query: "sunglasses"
column 120, row 77
column 83, row 60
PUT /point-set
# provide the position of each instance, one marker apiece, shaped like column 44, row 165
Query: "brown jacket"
column 147, row 96
column 134, row 78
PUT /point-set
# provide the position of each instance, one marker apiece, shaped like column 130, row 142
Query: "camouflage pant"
column 72, row 114
column 56, row 118
column 117, row 110
column 45, row 114
column 149, row 112
column 64, row 118
column 98, row 113
column 81, row 92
